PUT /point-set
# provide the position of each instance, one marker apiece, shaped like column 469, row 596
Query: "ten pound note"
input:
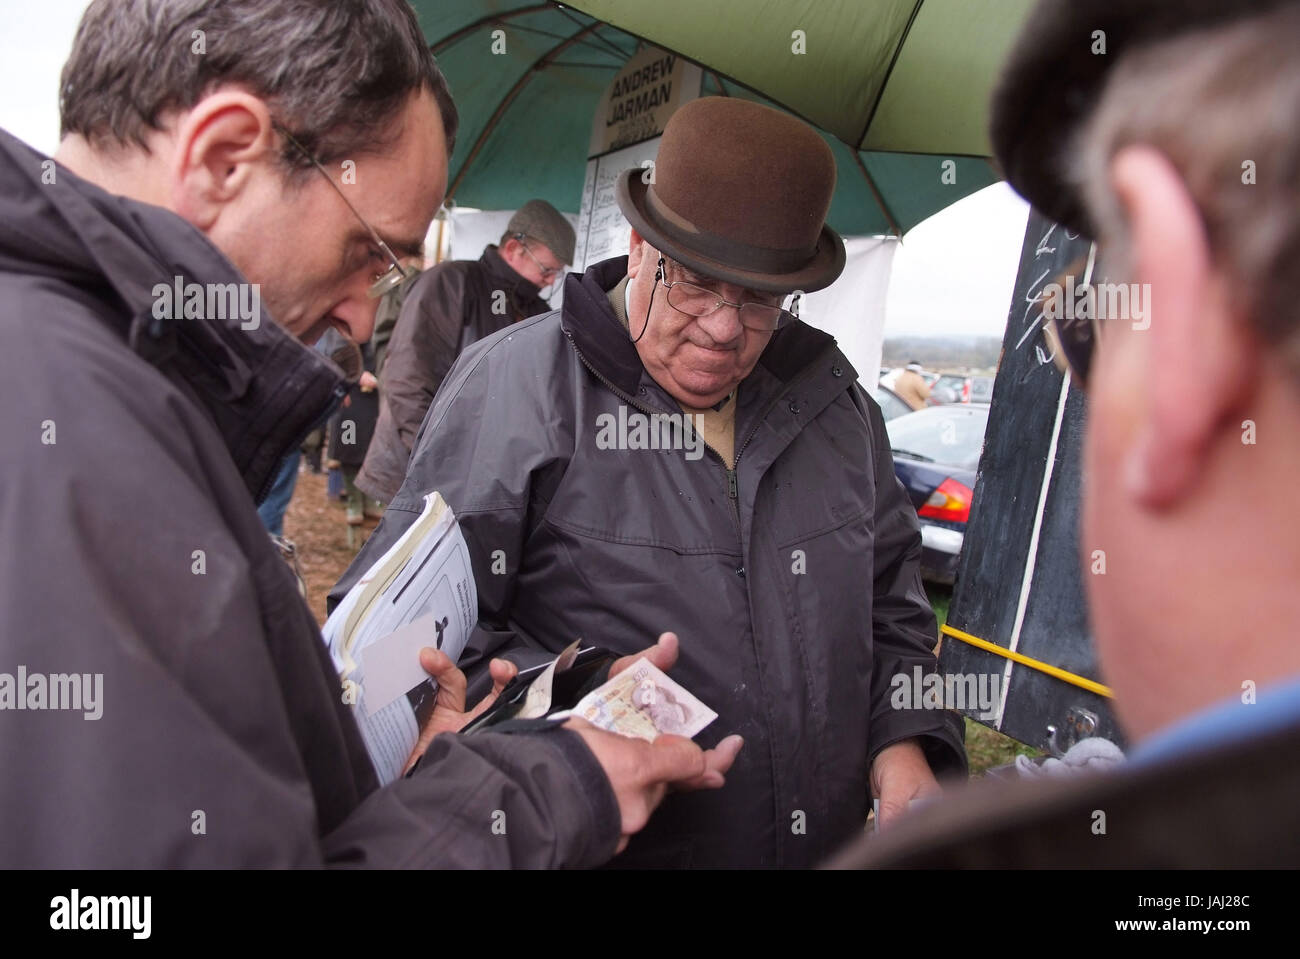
column 642, row 702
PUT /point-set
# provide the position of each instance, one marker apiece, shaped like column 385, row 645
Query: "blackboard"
column 1020, row 580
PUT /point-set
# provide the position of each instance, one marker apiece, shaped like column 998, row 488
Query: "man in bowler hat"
column 785, row 559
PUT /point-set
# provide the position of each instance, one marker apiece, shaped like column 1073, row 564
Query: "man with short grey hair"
column 234, row 178
column 1178, row 151
column 446, row 309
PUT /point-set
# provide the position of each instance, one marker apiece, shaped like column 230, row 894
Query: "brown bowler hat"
column 1052, row 80
column 740, row 193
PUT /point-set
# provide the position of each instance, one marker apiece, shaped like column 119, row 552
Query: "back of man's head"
column 337, row 72
column 1182, row 156
column 1221, row 104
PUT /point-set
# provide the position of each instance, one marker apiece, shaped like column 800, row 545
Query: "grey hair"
column 335, row 73
column 1210, row 101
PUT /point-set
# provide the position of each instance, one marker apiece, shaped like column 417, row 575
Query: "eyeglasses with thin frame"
column 382, row 282
column 549, row 273
column 694, row 300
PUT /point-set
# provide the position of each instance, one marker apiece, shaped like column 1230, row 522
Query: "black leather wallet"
column 589, row 669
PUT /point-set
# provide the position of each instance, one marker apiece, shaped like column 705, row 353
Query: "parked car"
column 936, row 454
column 891, row 404
column 981, row 389
column 950, row 388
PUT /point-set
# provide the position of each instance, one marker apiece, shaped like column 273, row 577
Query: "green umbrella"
column 899, row 88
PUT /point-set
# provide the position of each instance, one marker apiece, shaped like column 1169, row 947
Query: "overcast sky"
column 953, row 273
column 34, row 42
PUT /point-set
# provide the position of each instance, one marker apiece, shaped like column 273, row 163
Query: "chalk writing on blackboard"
column 1047, row 260
column 602, row 228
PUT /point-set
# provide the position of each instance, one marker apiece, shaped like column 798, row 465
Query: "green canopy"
column 897, row 87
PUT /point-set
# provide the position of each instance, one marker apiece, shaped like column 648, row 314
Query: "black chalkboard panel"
column 1019, row 584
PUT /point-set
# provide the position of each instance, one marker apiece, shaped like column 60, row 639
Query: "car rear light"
column 965, row 391
column 950, row 501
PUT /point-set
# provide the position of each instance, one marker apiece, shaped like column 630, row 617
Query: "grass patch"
column 986, row 748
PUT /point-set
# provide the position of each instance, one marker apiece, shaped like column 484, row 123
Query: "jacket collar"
column 262, row 388
column 504, row 275
column 799, row 360
column 589, row 321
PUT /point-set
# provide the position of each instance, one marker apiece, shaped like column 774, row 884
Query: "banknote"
column 537, row 702
column 643, row 702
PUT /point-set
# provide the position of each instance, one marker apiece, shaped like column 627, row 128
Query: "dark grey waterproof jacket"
column 446, row 308
column 133, row 449
column 793, row 583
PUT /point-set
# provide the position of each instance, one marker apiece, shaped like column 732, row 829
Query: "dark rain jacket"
column 133, row 449
column 445, row 309
column 793, row 583
column 352, row 426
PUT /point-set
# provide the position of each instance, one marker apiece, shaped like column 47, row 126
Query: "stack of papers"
column 419, row 593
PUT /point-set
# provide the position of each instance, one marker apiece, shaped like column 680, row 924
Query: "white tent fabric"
column 852, row 309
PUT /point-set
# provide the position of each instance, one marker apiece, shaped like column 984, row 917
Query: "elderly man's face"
column 698, row 360
column 533, row 261
column 314, row 260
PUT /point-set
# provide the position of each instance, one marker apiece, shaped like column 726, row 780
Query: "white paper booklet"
column 419, row 593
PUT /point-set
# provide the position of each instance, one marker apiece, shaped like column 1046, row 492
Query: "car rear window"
column 950, row 435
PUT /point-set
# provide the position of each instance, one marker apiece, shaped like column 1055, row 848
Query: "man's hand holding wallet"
column 641, row 766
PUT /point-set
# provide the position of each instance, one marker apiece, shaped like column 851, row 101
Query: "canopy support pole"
column 449, row 39
column 880, row 200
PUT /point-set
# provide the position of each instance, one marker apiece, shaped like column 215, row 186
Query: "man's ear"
column 1200, row 356
column 636, row 250
column 219, row 144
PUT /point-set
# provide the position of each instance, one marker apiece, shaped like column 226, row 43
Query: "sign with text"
column 644, row 94
column 625, row 133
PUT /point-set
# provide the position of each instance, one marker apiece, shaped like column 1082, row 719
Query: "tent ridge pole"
column 449, row 39
column 889, row 71
column 880, row 200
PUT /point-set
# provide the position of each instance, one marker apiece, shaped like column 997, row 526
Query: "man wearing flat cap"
column 770, row 535
column 1178, row 151
column 444, row 310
